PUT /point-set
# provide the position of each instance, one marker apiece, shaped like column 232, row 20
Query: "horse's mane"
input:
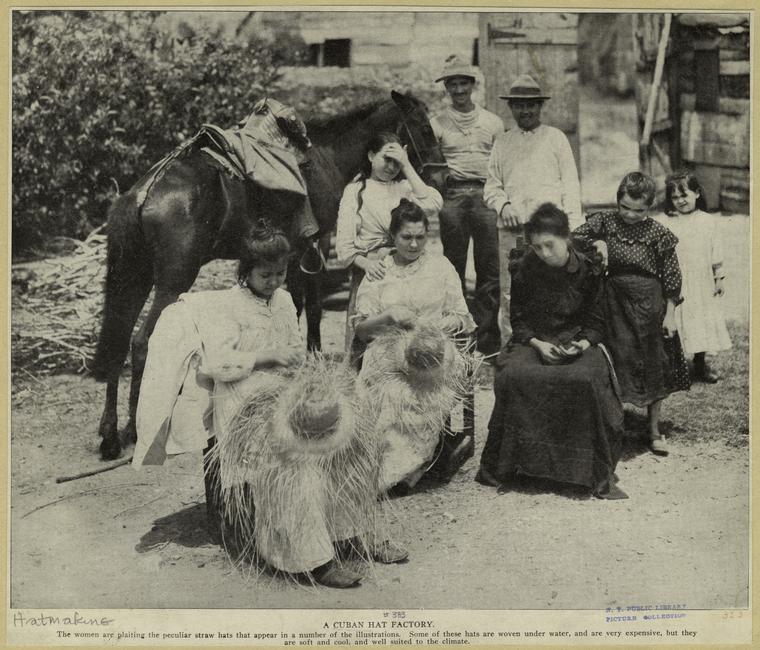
column 342, row 121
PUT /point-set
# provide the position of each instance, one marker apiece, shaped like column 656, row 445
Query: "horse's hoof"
column 110, row 448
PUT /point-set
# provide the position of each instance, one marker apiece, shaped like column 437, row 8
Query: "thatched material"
column 57, row 308
column 298, row 469
column 412, row 379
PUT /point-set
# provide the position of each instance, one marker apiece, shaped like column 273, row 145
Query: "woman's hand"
column 374, row 270
column 451, row 324
column 669, row 327
column 575, row 348
column 601, row 248
column 284, row 356
column 396, row 152
column 400, row 316
column 549, row 353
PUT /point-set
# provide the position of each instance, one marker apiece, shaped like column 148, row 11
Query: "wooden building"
column 700, row 117
column 342, row 39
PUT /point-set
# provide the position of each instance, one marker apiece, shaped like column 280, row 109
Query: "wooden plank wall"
column 396, row 38
column 715, row 112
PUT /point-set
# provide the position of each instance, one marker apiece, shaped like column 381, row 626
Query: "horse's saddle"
column 265, row 148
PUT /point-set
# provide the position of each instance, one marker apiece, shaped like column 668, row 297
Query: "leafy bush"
column 98, row 97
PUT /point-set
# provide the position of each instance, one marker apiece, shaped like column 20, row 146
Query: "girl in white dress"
column 363, row 237
column 700, row 321
column 210, row 354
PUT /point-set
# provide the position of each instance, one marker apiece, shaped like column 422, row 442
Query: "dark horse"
column 195, row 213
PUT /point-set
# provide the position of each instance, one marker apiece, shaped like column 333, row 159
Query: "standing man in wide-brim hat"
column 530, row 165
column 467, row 133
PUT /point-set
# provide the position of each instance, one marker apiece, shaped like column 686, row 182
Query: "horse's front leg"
column 313, row 291
column 110, row 446
column 162, row 298
column 313, row 285
column 295, row 285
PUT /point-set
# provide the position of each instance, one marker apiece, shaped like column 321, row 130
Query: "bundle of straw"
column 412, row 379
column 57, row 307
column 298, row 460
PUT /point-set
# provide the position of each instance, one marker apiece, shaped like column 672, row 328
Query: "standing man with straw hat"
column 467, row 133
column 530, row 165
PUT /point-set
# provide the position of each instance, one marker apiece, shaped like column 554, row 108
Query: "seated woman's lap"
column 523, row 364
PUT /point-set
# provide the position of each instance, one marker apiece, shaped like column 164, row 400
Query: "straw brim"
column 455, row 74
column 538, row 97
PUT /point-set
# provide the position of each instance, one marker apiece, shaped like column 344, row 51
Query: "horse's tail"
column 128, row 283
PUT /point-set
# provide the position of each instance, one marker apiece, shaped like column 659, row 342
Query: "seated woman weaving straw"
column 289, row 465
column 412, row 370
column 557, row 415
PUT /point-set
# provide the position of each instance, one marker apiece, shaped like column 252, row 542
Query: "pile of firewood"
column 56, row 309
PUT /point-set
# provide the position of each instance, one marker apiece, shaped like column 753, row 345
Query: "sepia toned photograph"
column 379, row 309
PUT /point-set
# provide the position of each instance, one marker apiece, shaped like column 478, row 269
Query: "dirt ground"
column 127, row 539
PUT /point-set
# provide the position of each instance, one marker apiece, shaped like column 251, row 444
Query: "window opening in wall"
column 337, row 52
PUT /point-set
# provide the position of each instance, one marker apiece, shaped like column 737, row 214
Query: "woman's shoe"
column 484, row 478
column 387, row 552
column 399, row 490
column 336, row 576
column 610, row 492
column 659, row 446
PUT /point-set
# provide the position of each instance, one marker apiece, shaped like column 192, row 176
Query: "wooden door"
column 543, row 45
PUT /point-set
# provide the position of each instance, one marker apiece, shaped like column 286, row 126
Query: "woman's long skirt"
column 563, row 423
column 648, row 366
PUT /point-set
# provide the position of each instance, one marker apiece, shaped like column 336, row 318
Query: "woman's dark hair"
column 681, row 180
column 376, row 142
column 407, row 212
column 265, row 245
column 547, row 219
column 637, row 186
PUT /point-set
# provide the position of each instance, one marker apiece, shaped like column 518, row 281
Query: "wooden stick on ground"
column 100, row 470
column 81, row 494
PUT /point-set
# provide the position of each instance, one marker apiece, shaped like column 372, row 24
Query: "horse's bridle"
column 423, row 165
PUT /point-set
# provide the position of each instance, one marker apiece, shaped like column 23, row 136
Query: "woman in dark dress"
column 557, row 415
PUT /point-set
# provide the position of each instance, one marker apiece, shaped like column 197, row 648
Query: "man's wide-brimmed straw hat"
column 455, row 67
column 524, row 87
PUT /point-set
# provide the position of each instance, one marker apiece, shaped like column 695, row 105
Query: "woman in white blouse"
column 363, row 230
column 416, row 288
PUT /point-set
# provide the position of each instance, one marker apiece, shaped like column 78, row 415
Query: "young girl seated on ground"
column 212, row 355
